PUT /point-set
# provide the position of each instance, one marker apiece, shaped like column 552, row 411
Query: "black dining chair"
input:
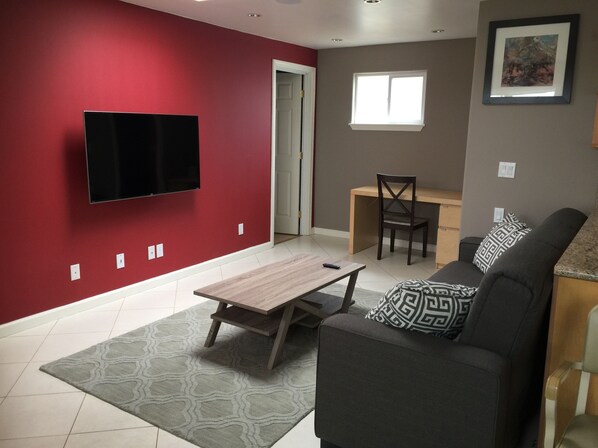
column 396, row 213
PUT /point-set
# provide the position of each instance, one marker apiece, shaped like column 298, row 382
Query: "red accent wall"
column 61, row 57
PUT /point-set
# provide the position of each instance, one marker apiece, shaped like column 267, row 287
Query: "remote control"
column 331, row 266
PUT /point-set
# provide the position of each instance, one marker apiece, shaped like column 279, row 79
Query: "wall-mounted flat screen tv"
column 131, row 155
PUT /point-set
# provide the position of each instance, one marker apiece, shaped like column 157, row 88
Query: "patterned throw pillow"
column 502, row 236
column 421, row 305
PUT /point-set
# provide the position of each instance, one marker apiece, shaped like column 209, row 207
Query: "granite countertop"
column 580, row 260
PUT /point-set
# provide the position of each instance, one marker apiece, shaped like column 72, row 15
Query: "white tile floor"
column 37, row 410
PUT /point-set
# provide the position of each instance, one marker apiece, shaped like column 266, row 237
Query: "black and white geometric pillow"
column 502, row 236
column 421, row 305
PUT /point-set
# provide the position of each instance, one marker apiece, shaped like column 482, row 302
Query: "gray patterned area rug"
column 217, row 397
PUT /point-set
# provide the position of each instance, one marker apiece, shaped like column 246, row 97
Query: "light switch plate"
column 506, row 169
column 160, row 250
column 151, row 252
column 241, row 229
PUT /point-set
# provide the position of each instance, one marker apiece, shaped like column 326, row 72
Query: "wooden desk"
column 363, row 226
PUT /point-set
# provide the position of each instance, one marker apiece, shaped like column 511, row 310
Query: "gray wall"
column 345, row 159
column 551, row 144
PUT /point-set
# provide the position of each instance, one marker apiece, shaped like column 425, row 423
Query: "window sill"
column 386, row 127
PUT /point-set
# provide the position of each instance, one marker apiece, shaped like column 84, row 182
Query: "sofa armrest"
column 468, row 247
column 378, row 385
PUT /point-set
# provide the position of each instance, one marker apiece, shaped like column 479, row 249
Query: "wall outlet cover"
column 151, row 252
column 75, row 272
column 499, row 214
column 120, row 261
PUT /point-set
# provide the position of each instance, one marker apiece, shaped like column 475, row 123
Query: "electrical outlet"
column 241, row 230
column 75, row 272
column 120, row 261
column 151, row 252
column 499, row 214
column 160, row 250
column 506, row 169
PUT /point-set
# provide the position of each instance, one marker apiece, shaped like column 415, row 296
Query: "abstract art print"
column 530, row 61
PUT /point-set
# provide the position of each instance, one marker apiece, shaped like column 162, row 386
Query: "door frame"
column 307, row 142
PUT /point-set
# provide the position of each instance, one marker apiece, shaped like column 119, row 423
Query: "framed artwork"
column 530, row 61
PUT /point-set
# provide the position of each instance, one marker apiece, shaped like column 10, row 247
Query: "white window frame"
column 390, row 126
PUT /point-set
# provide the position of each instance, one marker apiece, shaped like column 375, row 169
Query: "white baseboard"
column 386, row 240
column 44, row 317
column 330, row 232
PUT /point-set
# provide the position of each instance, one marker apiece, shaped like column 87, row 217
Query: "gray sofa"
column 381, row 387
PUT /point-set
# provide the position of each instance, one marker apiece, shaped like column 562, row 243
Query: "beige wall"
column 345, row 159
column 551, row 144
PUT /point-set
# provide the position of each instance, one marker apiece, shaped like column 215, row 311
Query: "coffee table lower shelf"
column 268, row 325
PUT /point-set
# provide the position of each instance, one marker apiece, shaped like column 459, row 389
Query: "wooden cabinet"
column 449, row 232
column 572, row 300
column 574, row 294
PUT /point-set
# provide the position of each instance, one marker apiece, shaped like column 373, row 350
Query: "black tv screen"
column 132, row 155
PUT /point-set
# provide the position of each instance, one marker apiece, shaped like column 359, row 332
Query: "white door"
column 288, row 152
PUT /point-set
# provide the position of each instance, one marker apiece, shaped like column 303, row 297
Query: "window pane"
column 406, row 99
column 371, row 102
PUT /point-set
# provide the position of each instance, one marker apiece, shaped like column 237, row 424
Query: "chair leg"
column 410, row 245
column 380, row 235
column 392, row 240
column 425, row 249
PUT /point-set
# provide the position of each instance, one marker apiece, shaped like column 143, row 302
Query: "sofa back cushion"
column 513, row 295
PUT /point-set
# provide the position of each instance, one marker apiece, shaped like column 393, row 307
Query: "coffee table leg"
column 214, row 328
column 349, row 293
column 281, row 335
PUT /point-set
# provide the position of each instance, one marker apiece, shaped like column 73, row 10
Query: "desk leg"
column 214, row 328
column 363, row 224
column 281, row 335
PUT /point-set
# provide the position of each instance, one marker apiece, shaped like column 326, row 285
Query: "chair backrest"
column 394, row 206
column 590, row 355
column 589, row 363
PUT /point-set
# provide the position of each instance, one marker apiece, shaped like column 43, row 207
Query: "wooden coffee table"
column 269, row 299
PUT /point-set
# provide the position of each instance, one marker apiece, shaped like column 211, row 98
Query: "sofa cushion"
column 502, row 236
column 431, row 307
column 458, row 273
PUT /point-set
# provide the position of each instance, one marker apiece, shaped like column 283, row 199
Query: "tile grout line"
column 31, row 359
column 75, row 419
column 122, row 303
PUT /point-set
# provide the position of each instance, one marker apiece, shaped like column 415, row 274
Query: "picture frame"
column 531, row 61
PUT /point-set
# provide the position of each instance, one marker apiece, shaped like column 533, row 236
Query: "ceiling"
column 314, row 23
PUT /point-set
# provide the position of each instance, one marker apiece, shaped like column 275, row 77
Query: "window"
column 389, row 101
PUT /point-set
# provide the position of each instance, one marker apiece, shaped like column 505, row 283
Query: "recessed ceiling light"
column 254, row 15
column 371, row 2
column 336, row 39
column 438, row 31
